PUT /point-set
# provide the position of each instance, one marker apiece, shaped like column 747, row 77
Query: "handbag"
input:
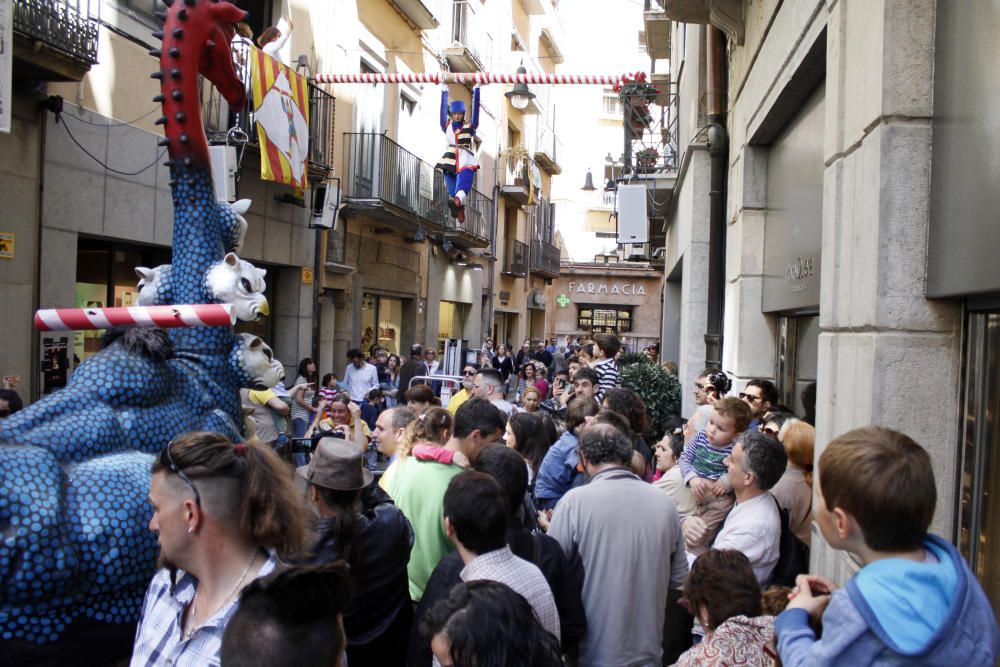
column 793, row 558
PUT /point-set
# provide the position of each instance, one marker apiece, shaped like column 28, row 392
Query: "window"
column 597, row 319
column 612, row 106
column 143, row 9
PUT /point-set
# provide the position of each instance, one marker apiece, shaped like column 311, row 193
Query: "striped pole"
column 184, row 315
column 479, row 78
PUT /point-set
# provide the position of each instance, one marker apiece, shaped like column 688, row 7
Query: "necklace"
column 194, row 603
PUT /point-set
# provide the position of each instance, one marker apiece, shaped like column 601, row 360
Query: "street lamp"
column 520, row 95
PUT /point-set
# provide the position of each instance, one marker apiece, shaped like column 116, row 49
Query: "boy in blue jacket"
column 915, row 601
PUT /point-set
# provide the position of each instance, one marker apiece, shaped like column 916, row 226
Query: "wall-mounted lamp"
column 520, row 95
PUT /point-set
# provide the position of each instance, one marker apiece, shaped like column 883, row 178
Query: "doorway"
column 795, row 363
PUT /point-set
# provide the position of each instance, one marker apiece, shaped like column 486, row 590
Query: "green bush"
column 659, row 390
column 630, row 358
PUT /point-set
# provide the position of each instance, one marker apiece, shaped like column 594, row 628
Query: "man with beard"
column 224, row 515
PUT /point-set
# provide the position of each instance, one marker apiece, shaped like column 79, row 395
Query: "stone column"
column 887, row 355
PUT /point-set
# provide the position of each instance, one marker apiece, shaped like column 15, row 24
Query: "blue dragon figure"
column 75, row 466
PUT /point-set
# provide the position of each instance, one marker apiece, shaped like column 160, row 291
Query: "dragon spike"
column 175, row 73
column 187, row 162
column 162, row 120
column 180, row 116
column 156, row 53
column 156, row 75
column 163, row 142
column 209, row 44
column 168, row 3
column 168, row 163
column 178, row 33
column 182, row 15
column 159, row 98
column 161, row 15
column 157, row 35
column 177, row 95
column 174, row 52
column 190, row 3
column 191, row 182
column 185, row 138
column 172, row 182
column 225, row 12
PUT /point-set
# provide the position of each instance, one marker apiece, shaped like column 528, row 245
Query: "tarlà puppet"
column 459, row 161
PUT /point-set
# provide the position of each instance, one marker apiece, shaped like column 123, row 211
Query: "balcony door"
column 369, row 123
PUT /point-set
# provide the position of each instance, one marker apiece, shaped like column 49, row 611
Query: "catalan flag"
column 281, row 108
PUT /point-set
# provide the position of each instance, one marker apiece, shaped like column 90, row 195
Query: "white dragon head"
column 240, row 283
column 151, row 284
column 254, row 363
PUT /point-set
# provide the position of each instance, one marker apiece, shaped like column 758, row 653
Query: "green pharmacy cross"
column 562, row 300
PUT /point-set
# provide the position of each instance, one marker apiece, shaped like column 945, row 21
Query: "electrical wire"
column 98, row 161
column 114, row 122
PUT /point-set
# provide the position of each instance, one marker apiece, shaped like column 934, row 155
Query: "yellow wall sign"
column 307, row 276
column 6, row 245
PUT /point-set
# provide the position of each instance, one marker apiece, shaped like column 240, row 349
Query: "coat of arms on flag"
column 281, row 106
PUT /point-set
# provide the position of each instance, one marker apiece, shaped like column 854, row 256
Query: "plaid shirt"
column 522, row 577
column 159, row 638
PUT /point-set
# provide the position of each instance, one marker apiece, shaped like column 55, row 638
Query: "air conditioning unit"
column 224, row 168
column 637, row 251
column 633, row 225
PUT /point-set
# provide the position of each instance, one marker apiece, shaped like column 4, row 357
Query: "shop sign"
column 562, row 300
column 6, row 245
column 307, row 275
column 614, row 289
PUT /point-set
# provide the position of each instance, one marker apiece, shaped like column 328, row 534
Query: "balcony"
column 516, row 184
column 547, row 154
column 419, row 14
column 391, row 184
column 515, row 262
column 544, row 259
column 657, row 31
column 54, row 40
column 468, row 51
column 236, row 126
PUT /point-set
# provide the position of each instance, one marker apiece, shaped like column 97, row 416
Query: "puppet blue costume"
column 459, row 161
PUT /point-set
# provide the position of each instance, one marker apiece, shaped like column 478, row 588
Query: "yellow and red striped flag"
column 281, row 109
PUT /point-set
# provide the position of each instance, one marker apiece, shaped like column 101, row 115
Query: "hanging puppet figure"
column 459, row 162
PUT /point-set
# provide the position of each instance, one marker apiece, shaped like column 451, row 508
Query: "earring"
column 190, row 529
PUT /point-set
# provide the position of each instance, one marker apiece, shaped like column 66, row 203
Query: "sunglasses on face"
column 180, row 473
column 468, row 373
column 751, row 398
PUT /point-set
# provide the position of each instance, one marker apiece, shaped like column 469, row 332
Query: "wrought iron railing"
column 225, row 124
column 651, row 135
column 379, row 168
column 544, row 258
column 465, row 29
column 515, row 172
column 516, row 260
column 65, row 25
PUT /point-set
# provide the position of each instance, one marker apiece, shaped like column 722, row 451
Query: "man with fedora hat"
column 359, row 523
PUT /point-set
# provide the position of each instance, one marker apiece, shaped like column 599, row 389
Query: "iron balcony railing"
column 651, row 135
column 228, row 125
column 516, row 172
column 516, row 260
column 379, row 168
column 64, row 25
column 544, row 258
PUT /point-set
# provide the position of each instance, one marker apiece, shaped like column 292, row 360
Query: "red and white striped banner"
column 185, row 315
column 473, row 77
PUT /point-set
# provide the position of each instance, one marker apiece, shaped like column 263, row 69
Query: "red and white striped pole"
column 480, row 78
column 182, row 315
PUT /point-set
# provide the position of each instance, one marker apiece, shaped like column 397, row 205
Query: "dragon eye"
column 268, row 354
column 246, row 284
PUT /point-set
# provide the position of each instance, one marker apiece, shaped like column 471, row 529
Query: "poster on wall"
column 6, row 61
column 55, row 363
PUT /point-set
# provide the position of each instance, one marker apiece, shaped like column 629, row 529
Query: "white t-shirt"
column 753, row 527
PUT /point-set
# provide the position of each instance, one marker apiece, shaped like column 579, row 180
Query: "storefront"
column 792, row 237
column 454, row 302
column 381, row 322
column 598, row 298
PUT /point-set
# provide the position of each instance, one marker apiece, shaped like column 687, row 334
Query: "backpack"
column 794, row 553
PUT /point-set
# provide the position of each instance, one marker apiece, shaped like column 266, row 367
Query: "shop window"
column 595, row 320
column 381, row 320
column 105, row 278
column 451, row 321
column 979, row 469
column 796, row 360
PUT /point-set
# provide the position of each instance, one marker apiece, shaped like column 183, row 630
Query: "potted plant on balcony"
column 645, row 160
column 637, row 93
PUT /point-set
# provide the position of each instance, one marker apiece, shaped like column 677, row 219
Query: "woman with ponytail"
column 225, row 514
column 360, row 524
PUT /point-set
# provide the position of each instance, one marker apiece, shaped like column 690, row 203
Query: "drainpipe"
column 491, row 310
column 718, row 150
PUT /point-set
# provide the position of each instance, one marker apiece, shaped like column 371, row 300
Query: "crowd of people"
column 530, row 522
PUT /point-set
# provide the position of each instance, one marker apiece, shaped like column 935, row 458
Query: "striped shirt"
column 159, row 639
column 701, row 459
column 607, row 377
